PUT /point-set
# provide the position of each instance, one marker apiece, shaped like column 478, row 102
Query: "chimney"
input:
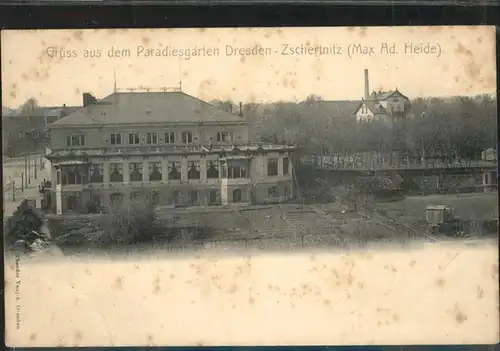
column 241, row 109
column 367, row 85
column 88, row 99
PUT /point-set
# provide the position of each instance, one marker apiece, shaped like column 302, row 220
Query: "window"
column 187, row 137
column 155, row 199
column 212, row 197
column 152, row 138
column 272, row 167
column 173, row 170
column 236, row 195
column 135, row 196
column 116, row 199
column 133, row 138
column 225, row 136
column 287, row 191
column 96, row 173
column 212, row 170
column 272, row 191
column 175, row 196
column 72, row 201
column 236, row 171
column 116, row 139
column 193, row 197
column 135, row 170
column 154, row 169
column 169, row 137
column 194, row 170
column 115, row 172
column 286, row 165
column 75, row 140
column 71, row 176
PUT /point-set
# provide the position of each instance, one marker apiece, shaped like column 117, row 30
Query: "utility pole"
column 29, row 171
column 13, row 191
column 22, row 182
column 25, row 169
column 35, row 168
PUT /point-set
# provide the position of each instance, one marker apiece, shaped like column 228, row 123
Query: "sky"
column 458, row 61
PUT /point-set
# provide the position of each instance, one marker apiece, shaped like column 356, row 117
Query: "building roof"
column 372, row 106
column 147, row 107
column 384, row 95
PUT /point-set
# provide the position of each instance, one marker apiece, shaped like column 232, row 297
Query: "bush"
column 128, row 224
column 21, row 225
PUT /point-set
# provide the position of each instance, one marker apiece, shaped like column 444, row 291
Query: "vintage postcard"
column 250, row 186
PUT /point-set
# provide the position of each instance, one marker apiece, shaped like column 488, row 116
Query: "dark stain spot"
column 480, row 292
column 312, row 258
column 460, row 317
column 440, row 282
column 326, row 302
column 24, row 76
column 202, row 30
column 412, row 263
column 77, row 91
column 361, row 285
column 172, row 275
column 156, row 285
column 494, row 271
column 150, row 339
column 242, row 59
column 32, row 336
column 87, row 271
column 395, row 317
column 78, row 337
column 251, row 301
column 78, row 35
column 145, row 40
column 118, row 283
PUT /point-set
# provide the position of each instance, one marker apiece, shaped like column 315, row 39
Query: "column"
column 164, row 169
column 145, row 171
column 105, row 172
column 280, row 165
column 126, row 173
column 59, row 202
column 184, row 168
column 203, row 169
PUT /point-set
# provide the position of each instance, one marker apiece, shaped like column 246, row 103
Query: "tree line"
column 444, row 128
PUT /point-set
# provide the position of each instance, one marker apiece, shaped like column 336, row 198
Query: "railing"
column 117, row 149
column 401, row 165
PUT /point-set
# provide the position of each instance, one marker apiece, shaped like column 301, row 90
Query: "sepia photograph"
column 284, row 157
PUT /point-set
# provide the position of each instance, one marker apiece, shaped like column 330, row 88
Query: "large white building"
column 170, row 146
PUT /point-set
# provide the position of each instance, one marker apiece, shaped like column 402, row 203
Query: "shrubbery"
column 21, row 225
column 130, row 223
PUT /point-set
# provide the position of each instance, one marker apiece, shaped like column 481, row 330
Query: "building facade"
column 167, row 146
column 386, row 106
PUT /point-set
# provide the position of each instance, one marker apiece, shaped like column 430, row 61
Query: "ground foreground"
column 288, row 227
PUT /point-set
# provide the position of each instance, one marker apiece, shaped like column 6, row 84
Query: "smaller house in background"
column 386, row 106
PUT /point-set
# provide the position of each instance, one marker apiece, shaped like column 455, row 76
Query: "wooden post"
column 35, row 168
column 22, row 182
column 13, row 191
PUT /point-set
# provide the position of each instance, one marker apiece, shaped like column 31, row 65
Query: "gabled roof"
column 147, row 107
column 372, row 106
column 384, row 95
